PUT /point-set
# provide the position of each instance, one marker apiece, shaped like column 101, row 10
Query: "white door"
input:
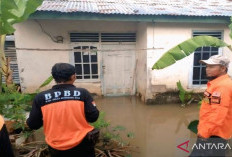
column 118, row 69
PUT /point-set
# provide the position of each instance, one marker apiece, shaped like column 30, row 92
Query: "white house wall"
column 141, row 53
column 35, row 65
column 164, row 36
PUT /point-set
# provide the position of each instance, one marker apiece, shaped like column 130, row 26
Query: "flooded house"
column 114, row 44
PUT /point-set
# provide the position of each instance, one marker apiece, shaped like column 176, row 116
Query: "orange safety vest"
column 64, row 123
column 1, row 122
column 216, row 109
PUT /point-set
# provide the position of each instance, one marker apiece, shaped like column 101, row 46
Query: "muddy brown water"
column 158, row 129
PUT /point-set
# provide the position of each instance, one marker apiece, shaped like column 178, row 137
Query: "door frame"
column 134, row 68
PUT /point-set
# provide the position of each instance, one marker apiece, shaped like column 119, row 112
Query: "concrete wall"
column 164, row 36
column 141, row 60
column 35, row 65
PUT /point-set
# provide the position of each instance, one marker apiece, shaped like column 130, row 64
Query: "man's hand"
column 26, row 127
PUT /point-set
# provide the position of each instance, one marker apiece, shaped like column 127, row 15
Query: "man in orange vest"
column 5, row 145
column 215, row 123
column 64, row 111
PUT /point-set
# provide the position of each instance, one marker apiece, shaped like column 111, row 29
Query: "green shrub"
column 113, row 140
column 14, row 104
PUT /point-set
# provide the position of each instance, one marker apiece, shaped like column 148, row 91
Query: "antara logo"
column 185, row 144
column 211, row 146
column 204, row 146
column 66, row 93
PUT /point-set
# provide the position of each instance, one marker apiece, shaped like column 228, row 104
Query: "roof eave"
column 123, row 17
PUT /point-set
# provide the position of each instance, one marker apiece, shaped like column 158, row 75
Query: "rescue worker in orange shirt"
column 64, row 111
column 215, row 119
column 5, row 145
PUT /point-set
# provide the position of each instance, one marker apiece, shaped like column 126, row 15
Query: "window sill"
column 197, row 86
column 87, row 81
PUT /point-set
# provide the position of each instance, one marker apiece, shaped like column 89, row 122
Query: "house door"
column 118, row 69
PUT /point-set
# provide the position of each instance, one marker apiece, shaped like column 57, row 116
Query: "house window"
column 10, row 52
column 203, row 53
column 86, row 62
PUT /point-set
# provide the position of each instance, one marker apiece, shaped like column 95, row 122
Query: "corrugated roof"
column 141, row 7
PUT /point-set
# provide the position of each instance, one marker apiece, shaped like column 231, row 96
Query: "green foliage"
column 112, row 138
column 11, row 12
column 0, row 82
column 108, row 132
column 130, row 135
column 14, row 104
column 15, row 11
column 230, row 26
column 199, row 103
column 184, row 95
column 193, row 126
column 119, row 128
column 101, row 123
column 46, row 82
column 185, row 48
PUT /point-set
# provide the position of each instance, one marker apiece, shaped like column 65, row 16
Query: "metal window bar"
column 83, row 75
column 200, row 66
column 90, row 65
column 102, row 37
column 118, row 37
column 82, row 65
column 84, row 37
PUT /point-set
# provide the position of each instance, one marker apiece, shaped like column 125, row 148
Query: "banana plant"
column 185, row 96
column 12, row 12
column 186, row 48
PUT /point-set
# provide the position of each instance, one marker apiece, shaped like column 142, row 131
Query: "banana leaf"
column 193, row 126
column 185, row 48
column 15, row 11
column 46, row 82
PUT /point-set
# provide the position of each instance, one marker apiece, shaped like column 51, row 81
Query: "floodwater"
column 158, row 129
